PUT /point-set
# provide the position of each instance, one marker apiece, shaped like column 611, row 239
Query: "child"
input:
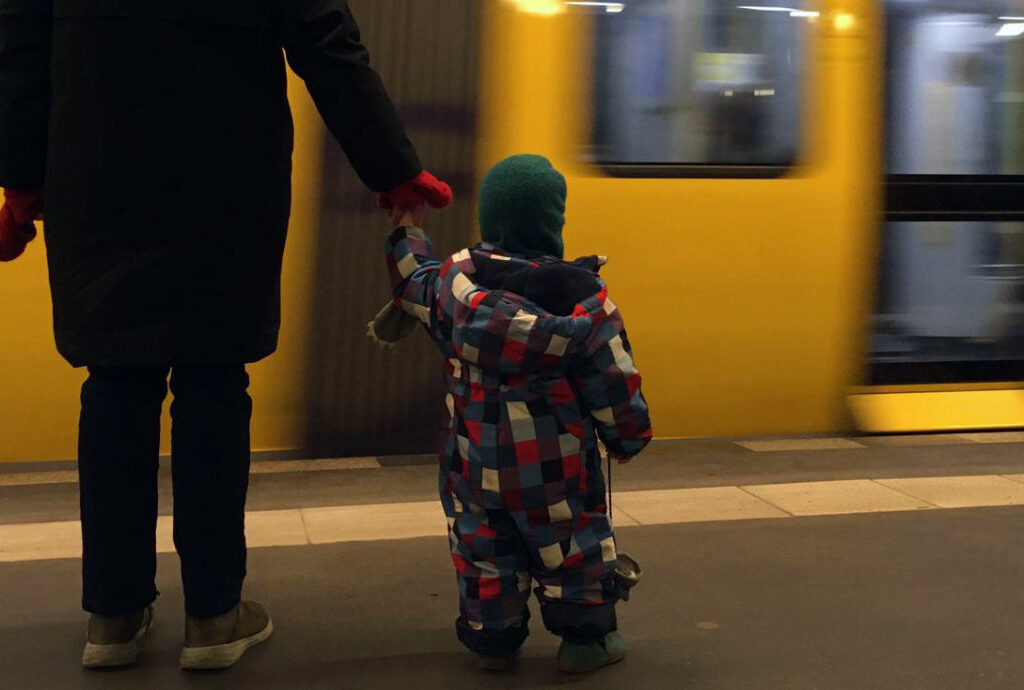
column 538, row 367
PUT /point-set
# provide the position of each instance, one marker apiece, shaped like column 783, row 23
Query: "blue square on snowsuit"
column 546, row 426
column 531, row 476
column 488, row 435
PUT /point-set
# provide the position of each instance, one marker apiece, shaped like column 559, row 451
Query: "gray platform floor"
column 930, row 600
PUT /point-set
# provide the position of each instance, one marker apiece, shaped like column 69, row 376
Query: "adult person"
column 162, row 136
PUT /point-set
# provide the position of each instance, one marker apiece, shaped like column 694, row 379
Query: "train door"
column 950, row 304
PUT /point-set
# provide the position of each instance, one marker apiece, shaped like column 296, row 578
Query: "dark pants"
column 118, row 458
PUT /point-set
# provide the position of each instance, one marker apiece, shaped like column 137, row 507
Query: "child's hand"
column 404, row 217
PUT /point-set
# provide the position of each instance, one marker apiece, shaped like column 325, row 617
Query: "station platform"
column 790, row 564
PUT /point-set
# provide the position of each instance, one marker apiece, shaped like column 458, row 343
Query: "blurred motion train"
column 814, row 212
column 813, row 208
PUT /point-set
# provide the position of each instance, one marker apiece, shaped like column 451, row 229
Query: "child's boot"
column 581, row 657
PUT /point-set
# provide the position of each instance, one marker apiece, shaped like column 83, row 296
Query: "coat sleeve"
column 414, row 271
column 608, row 380
column 25, row 30
column 322, row 42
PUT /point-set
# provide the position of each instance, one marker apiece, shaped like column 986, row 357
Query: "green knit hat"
column 522, row 206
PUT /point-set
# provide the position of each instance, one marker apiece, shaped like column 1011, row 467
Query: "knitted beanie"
column 522, row 206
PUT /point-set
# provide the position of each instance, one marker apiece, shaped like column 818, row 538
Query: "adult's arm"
column 323, row 45
column 25, row 34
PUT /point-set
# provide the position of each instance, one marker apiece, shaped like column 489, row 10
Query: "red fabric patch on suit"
column 513, row 351
column 561, row 392
column 571, row 466
column 528, row 452
column 573, row 561
column 513, row 499
column 538, row 517
column 489, row 587
column 474, row 431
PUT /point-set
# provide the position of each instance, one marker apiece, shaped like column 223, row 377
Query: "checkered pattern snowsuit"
column 528, row 393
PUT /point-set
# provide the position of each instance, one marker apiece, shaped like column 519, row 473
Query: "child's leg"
column 493, row 572
column 573, row 557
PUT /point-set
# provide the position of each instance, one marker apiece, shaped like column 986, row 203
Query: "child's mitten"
column 390, row 325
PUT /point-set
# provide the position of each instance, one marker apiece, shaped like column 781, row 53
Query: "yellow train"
column 814, row 213
column 812, row 205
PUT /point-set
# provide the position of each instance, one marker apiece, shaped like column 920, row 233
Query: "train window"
column 698, row 83
column 951, row 303
column 955, row 72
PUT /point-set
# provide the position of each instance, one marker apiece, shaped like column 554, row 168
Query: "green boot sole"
column 584, row 658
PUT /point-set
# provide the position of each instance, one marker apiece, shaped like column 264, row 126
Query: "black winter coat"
column 162, row 132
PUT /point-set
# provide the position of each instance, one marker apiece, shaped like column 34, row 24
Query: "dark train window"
column 698, row 83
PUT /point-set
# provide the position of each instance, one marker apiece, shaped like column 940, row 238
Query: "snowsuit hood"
column 512, row 315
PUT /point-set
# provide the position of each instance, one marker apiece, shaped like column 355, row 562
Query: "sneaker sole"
column 608, row 661
column 114, row 655
column 223, row 655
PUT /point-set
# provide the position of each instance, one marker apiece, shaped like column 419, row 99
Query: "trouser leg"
column 118, row 460
column 573, row 556
column 210, row 464
column 492, row 572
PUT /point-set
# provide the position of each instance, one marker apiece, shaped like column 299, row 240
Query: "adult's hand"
column 17, row 229
column 412, row 195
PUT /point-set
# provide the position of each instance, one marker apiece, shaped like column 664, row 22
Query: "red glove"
column 19, row 211
column 422, row 189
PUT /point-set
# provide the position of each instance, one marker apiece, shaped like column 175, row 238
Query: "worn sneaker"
column 497, row 662
column 115, row 640
column 214, row 643
column 590, row 656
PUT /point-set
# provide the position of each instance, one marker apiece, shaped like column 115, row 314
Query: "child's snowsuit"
column 538, row 366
